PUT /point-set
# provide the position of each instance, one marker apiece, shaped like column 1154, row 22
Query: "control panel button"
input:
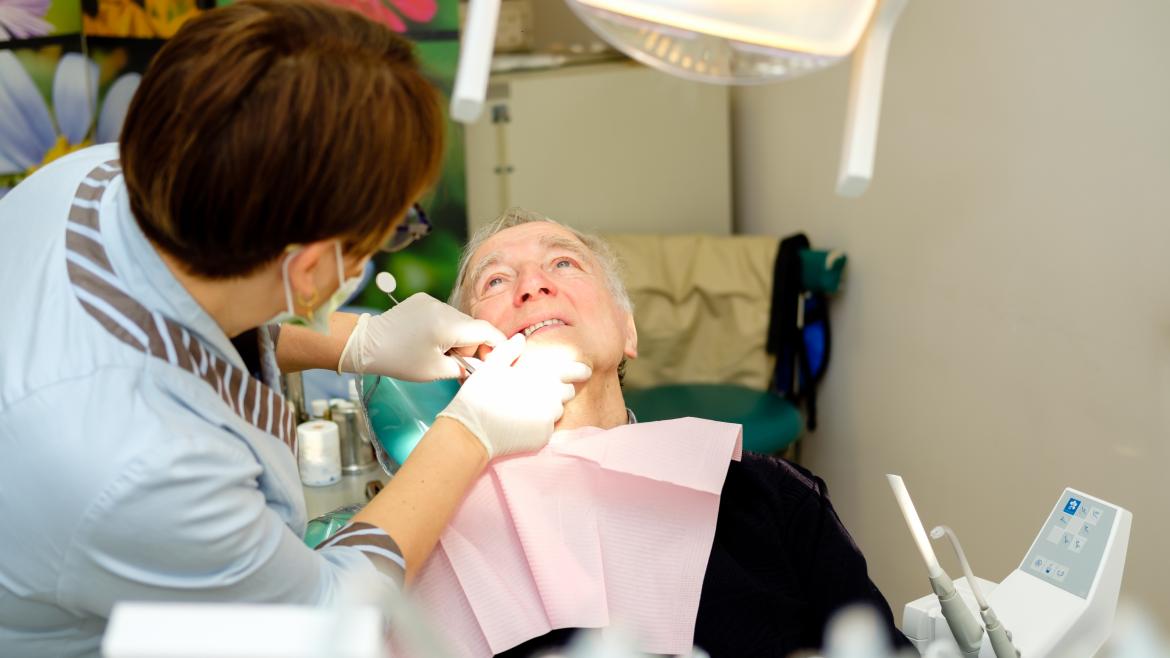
column 1078, row 544
column 1059, row 573
column 1037, row 564
column 1048, row 568
column 1095, row 514
column 1063, row 520
column 1066, row 540
column 1072, row 506
column 1084, row 531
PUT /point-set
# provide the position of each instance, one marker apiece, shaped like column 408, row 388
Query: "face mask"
column 318, row 319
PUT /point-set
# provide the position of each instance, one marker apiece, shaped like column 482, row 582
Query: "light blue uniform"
column 138, row 459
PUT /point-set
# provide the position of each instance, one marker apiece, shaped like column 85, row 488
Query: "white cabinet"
column 614, row 147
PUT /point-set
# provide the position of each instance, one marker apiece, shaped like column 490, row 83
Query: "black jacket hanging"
column 798, row 332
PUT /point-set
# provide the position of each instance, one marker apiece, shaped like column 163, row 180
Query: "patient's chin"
column 552, row 348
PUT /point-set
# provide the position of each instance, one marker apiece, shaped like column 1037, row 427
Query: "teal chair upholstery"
column 770, row 423
column 399, row 413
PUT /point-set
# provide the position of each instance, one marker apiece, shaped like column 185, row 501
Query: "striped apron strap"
column 103, row 296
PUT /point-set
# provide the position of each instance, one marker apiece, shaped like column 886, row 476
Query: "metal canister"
column 357, row 454
column 294, row 391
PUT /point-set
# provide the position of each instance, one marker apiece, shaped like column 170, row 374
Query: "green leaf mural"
column 430, row 265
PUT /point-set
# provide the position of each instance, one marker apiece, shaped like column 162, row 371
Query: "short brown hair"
column 274, row 122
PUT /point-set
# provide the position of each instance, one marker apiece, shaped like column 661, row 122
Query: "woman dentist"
column 271, row 148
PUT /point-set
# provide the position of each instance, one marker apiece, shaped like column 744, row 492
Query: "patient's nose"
column 534, row 283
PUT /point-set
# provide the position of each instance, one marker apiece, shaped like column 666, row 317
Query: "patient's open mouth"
column 531, row 329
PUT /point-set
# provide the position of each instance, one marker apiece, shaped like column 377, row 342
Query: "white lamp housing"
column 735, row 42
column 730, row 41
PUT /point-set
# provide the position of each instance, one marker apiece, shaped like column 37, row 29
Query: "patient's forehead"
column 526, row 239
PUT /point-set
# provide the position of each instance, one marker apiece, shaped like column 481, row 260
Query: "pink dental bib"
column 600, row 527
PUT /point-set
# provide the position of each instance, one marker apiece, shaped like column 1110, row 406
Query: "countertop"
column 349, row 490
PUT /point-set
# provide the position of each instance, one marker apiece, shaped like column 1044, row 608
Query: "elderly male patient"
column 781, row 562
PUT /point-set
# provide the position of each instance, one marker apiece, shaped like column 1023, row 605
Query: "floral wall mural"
column 29, row 19
column 54, row 101
column 138, row 18
column 68, row 69
column 392, row 12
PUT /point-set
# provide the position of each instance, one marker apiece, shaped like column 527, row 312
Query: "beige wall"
column 1006, row 327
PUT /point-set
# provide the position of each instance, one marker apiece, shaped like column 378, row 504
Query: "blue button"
column 1072, row 506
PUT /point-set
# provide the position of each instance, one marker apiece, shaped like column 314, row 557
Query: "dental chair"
column 702, row 305
column 703, row 308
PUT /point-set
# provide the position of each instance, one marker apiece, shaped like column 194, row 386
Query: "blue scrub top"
column 123, row 475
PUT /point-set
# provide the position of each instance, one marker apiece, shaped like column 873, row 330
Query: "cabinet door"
column 608, row 148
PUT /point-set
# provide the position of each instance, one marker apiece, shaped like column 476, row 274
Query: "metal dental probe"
column 387, row 283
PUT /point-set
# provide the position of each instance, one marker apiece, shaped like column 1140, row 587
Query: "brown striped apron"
column 105, row 298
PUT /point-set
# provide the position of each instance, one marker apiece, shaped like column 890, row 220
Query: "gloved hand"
column 410, row 341
column 511, row 407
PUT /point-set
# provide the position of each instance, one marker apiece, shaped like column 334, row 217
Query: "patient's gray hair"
column 604, row 254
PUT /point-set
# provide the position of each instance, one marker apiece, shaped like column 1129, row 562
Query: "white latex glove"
column 510, row 405
column 410, row 341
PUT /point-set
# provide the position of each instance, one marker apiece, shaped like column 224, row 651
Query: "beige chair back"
column 701, row 305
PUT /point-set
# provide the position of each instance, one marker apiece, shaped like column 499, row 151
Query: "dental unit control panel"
column 1059, row 602
column 1070, row 548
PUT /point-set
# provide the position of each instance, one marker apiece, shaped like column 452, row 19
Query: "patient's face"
column 540, row 280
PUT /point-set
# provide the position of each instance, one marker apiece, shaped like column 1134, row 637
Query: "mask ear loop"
column 340, row 269
column 288, row 294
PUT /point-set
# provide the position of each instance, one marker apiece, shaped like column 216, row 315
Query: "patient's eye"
column 564, row 263
column 492, row 282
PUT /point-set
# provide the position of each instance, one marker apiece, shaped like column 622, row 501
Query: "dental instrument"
column 1061, row 599
column 967, row 632
column 387, row 283
column 462, row 361
column 1000, row 637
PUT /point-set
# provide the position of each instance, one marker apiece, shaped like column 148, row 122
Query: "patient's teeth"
column 543, row 323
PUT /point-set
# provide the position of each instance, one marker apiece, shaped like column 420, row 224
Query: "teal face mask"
column 318, row 319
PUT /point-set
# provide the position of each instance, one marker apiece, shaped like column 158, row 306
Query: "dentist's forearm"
column 303, row 349
column 418, row 502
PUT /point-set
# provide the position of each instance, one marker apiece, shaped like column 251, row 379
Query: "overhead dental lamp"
column 733, row 42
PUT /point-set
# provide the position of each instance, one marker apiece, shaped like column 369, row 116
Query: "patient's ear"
column 631, row 345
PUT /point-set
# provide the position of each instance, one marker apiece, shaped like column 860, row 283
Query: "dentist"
column 272, row 147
